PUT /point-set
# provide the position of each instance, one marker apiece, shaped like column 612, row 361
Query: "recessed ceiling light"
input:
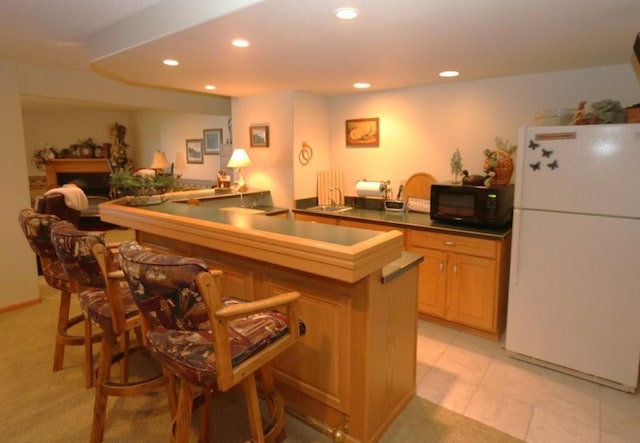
column 346, row 13
column 361, row 85
column 449, row 74
column 240, row 43
column 209, row 87
column 170, row 62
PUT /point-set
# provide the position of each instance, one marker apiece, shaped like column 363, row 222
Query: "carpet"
column 44, row 406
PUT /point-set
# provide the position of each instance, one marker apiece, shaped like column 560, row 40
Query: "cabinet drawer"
column 453, row 243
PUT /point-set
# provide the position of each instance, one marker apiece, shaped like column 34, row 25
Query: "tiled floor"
column 474, row 377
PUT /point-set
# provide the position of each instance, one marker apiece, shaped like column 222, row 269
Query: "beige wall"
column 61, row 128
column 168, row 131
column 18, row 276
column 271, row 167
column 311, row 126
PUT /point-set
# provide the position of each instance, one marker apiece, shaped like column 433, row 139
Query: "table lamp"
column 159, row 162
column 239, row 159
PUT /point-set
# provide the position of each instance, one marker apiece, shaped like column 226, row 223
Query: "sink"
column 330, row 209
column 241, row 210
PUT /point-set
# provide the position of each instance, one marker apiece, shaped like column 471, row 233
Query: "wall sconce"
column 159, row 162
column 239, row 159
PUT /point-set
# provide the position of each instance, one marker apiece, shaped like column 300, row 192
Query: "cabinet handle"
column 455, row 269
column 449, row 243
column 441, row 265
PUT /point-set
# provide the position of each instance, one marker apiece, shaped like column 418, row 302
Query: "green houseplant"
column 142, row 186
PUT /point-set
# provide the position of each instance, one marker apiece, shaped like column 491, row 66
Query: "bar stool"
column 106, row 301
column 37, row 230
column 209, row 342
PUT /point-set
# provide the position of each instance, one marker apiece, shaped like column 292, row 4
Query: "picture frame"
column 194, row 151
column 212, row 140
column 259, row 136
column 362, row 132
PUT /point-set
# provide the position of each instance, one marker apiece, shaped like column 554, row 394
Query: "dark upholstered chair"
column 37, row 230
column 106, row 301
column 187, row 319
column 54, row 204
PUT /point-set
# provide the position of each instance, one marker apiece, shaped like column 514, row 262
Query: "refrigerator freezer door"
column 579, row 169
column 574, row 299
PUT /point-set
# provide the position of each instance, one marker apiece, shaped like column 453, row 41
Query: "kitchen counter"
column 463, row 280
column 409, row 219
column 354, row 370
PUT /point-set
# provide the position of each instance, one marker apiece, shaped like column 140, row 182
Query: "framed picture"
column 194, row 151
column 212, row 141
column 363, row 132
column 259, row 136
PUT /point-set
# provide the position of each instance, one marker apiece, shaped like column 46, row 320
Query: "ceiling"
column 300, row 45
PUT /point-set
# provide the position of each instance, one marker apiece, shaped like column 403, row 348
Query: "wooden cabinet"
column 463, row 279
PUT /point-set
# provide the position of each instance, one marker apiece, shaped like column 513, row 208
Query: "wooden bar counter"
column 354, row 370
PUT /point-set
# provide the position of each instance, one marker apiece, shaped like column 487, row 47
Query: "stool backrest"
column 37, row 229
column 74, row 250
column 164, row 287
column 54, row 204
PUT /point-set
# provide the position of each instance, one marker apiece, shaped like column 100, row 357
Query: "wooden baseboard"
column 458, row 327
column 21, row 305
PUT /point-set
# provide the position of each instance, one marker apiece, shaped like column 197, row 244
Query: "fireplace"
column 92, row 175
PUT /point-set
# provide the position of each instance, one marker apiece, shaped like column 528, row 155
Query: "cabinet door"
column 432, row 282
column 471, row 294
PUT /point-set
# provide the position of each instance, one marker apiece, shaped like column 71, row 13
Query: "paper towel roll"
column 366, row 188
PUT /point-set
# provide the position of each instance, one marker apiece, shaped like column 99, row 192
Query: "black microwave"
column 482, row 206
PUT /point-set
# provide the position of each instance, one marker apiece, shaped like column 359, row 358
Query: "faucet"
column 339, row 202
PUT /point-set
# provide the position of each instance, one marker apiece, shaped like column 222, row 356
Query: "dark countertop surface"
column 410, row 219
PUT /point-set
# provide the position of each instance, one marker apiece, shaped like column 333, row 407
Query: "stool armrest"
column 252, row 307
column 116, row 275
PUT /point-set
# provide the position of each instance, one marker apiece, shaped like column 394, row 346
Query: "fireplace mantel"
column 73, row 165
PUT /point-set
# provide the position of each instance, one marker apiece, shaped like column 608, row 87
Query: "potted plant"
column 142, row 186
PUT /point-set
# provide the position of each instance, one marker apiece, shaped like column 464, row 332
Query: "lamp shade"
column 181, row 162
column 159, row 161
column 239, row 159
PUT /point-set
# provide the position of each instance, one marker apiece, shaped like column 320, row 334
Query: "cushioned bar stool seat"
column 209, row 342
column 37, row 230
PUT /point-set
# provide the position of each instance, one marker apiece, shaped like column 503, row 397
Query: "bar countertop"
column 339, row 252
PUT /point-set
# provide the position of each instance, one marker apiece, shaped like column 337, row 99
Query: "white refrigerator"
column 574, row 289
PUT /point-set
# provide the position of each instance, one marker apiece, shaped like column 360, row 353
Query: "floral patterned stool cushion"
column 95, row 306
column 190, row 354
column 180, row 336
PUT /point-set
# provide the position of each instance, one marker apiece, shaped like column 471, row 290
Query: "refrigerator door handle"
column 515, row 248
